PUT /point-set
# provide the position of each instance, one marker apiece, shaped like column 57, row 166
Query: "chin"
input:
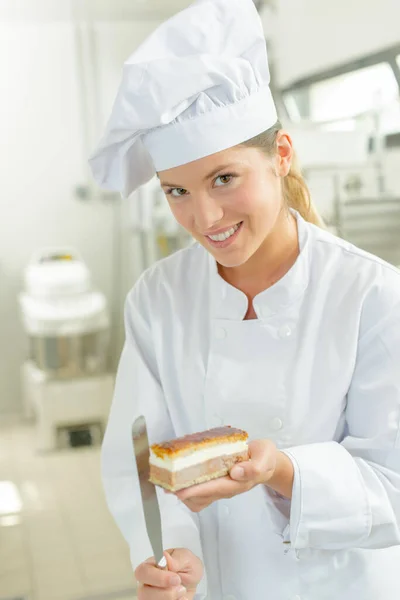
column 230, row 257
column 237, row 259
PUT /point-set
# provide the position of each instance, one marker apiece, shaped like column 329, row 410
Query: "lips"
column 225, row 238
column 220, row 237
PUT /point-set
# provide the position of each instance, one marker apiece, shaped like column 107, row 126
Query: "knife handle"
column 163, row 564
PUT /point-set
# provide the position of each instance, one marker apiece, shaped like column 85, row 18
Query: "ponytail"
column 297, row 195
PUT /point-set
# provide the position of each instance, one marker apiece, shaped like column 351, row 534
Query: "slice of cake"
column 197, row 457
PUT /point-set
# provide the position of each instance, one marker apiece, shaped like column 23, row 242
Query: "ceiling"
column 98, row 10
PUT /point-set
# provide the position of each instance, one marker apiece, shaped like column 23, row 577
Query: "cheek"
column 182, row 214
column 258, row 198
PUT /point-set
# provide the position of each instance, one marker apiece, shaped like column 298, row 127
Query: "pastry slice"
column 198, row 457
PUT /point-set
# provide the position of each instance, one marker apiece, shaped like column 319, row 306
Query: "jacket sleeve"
column 138, row 391
column 347, row 495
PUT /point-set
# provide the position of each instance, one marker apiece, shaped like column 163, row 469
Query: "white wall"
column 40, row 148
column 43, row 158
column 312, row 35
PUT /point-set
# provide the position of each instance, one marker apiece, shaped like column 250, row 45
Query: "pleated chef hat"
column 199, row 84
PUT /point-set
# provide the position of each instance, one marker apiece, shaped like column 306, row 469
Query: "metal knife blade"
column 148, row 492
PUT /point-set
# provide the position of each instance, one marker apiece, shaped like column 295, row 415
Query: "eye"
column 224, row 180
column 176, row 192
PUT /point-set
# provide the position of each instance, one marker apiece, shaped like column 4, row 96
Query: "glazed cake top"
column 197, row 441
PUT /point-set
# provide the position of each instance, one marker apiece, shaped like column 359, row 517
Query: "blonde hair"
column 295, row 190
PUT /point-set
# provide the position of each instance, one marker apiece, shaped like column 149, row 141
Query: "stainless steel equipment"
column 66, row 321
column 72, row 356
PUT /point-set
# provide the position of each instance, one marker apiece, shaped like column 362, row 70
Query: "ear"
column 284, row 153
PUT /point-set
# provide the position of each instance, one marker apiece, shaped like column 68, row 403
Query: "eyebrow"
column 206, row 178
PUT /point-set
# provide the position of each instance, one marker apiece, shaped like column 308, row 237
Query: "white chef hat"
column 199, row 84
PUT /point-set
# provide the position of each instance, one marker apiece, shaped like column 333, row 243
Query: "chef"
column 266, row 322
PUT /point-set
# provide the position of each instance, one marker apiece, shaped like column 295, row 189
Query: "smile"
column 225, row 238
column 225, row 235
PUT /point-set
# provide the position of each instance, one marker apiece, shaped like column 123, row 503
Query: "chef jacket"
column 318, row 372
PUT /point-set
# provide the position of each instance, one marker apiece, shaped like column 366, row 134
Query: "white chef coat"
column 318, row 372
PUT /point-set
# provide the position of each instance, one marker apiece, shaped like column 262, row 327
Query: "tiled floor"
column 63, row 544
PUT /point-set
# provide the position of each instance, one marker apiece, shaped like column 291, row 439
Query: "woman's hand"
column 267, row 465
column 180, row 580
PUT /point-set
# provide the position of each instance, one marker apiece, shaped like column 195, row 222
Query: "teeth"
column 225, row 235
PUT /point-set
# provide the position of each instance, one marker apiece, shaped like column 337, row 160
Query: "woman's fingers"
column 148, row 574
column 224, row 487
column 262, row 462
column 146, row 592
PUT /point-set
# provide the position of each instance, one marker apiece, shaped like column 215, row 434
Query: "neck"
column 270, row 262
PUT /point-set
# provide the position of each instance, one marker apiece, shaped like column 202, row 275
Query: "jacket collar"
column 229, row 303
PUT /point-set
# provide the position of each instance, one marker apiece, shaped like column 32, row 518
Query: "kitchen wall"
column 43, row 157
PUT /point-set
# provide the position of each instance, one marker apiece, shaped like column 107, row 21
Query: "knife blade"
column 148, row 492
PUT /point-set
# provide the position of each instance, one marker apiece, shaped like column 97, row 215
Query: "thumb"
column 173, row 564
column 262, row 453
column 242, row 472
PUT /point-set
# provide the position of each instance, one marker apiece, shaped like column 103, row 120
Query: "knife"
column 148, row 492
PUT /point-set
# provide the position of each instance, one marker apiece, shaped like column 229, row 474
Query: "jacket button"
column 285, row 331
column 276, row 424
column 220, row 333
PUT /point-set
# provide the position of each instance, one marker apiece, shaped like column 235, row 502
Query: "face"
column 230, row 202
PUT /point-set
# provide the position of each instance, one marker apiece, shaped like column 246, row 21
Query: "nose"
column 207, row 212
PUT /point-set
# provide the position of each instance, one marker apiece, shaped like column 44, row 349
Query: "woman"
column 267, row 323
